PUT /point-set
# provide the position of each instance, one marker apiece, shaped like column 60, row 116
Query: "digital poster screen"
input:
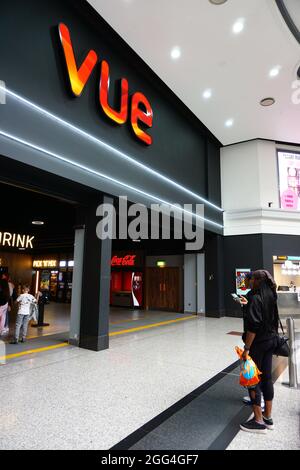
column 289, row 180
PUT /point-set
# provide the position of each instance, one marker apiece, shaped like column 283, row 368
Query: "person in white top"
column 24, row 301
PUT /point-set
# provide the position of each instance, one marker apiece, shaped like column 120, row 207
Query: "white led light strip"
column 107, row 146
column 100, row 175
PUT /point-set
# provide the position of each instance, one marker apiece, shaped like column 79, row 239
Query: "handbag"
column 34, row 312
column 282, row 347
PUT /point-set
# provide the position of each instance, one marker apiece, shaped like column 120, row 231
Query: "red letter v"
column 78, row 78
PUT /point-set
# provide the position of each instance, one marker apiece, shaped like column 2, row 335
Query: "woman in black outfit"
column 261, row 326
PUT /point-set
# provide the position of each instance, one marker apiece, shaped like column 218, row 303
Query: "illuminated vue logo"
column 141, row 111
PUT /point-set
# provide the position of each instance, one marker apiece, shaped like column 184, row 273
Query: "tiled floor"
column 78, row 399
column 81, row 399
column 58, row 317
column 286, row 416
column 122, row 321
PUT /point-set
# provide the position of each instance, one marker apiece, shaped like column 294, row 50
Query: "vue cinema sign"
column 140, row 112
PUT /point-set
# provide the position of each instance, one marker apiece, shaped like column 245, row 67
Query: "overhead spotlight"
column 175, row 53
column 229, row 123
column 37, row 222
column 274, row 72
column 207, row 94
column 267, row 102
column 238, row 26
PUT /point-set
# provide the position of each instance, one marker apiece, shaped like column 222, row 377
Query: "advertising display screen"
column 289, row 180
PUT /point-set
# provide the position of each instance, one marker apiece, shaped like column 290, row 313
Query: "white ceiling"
column 235, row 67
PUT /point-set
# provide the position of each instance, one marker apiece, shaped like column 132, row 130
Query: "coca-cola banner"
column 289, row 180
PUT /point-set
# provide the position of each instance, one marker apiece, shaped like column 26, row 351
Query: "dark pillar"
column 214, row 277
column 94, row 318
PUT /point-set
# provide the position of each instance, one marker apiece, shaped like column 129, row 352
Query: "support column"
column 214, row 273
column 200, row 283
column 94, row 322
column 77, row 287
column 190, row 283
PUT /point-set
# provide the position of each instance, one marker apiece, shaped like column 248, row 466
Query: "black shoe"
column 254, row 427
column 23, row 340
column 15, row 341
column 268, row 423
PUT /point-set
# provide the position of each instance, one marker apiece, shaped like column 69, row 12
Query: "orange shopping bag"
column 249, row 375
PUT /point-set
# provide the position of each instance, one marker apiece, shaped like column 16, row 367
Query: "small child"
column 24, row 302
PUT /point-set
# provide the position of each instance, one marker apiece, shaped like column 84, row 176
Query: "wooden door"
column 154, row 288
column 172, row 288
column 163, row 289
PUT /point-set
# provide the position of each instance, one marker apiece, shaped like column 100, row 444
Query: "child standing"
column 24, row 301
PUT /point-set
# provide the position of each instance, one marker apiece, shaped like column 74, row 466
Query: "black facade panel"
column 32, row 64
column 255, row 252
column 240, row 252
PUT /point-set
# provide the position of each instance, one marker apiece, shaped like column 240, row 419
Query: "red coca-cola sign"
column 128, row 260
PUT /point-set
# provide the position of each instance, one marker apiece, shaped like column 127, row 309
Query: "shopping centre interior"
column 132, row 345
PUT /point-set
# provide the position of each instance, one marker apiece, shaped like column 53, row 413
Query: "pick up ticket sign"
column 289, row 180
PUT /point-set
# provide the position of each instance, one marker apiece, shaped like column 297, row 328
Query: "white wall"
column 268, row 174
column 239, row 176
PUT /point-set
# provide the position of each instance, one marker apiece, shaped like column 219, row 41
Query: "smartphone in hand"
column 236, row 298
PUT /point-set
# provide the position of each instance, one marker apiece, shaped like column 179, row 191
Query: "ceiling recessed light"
column 207, row 94
column 267, row 102
column 229, row 123
column 274, row 72
column 175, row 53
column 136, row 241
column 238, row 26
column 37, row 222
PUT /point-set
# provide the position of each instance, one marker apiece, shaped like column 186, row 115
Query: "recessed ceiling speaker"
column 218, row 2
column 267, row 102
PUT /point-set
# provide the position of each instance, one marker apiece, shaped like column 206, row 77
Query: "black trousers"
column 262, row 353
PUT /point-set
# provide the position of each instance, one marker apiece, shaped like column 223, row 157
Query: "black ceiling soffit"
column 288, row 19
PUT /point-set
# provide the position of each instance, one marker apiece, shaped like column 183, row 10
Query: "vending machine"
column 126, row 289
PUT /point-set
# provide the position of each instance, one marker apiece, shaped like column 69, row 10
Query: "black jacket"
column 261, row 317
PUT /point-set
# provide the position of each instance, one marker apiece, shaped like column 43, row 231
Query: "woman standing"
column 261, row 328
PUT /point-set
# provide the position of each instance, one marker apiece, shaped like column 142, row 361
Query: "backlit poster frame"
column 288, row 164
column 240, row 275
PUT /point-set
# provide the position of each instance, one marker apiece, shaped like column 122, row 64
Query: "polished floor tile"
column 80, row 399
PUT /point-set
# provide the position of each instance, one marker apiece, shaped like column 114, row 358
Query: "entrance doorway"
column 36, row 251
column 163, row 289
